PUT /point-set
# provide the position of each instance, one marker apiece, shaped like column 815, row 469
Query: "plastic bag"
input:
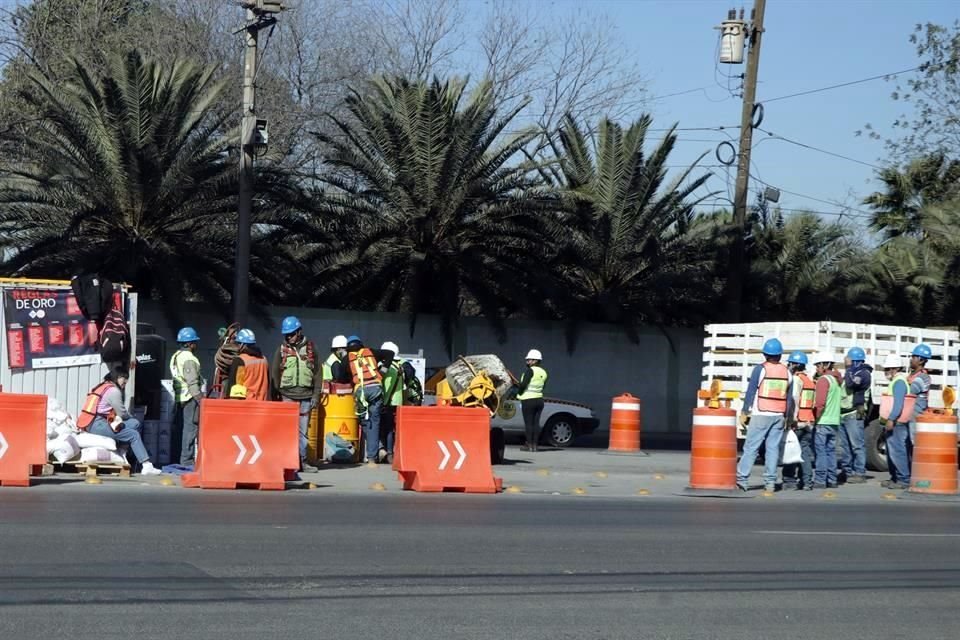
column 792, row 453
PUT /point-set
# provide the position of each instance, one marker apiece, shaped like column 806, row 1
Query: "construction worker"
column 531, row 388
column 803, row 390
column 394, row 394
column 335, row 368
column 249, row 376
column 920, row 383
column 896, row 421
column 827, row 411
column 368, row 394
column 857, row 379
column 187, row 391
column 766, row 404
column 104, row 414
column 294, row 375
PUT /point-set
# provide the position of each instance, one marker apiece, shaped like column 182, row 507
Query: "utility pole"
column 738, row 262
column 259, row 16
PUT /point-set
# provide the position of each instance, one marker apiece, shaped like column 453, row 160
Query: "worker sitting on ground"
column 105, row 414
column 249, row 377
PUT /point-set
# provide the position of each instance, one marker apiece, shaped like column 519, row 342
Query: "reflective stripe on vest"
column 88, row 413
column 537, row 384
column 808, row 396
column 831, row 410
column 254, row 377
column 773, row 390
column 363, row 366
column 295, row 370
column 181, row 391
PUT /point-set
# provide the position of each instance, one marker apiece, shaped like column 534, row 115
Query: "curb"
column 930, row 497
column 625, row 454
column 734, row 494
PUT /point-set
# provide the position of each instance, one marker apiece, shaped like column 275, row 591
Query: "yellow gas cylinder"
column 340, row 417
column 314, row 446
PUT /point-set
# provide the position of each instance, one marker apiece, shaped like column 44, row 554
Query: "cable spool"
column 733, row 154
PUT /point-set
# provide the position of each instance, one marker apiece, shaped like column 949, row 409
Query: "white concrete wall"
column 604, row 364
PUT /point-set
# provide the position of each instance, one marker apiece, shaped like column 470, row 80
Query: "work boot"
column 306, row 467
column 525, row 447
column 856, row 480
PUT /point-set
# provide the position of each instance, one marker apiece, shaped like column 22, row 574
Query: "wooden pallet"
column 93, row 469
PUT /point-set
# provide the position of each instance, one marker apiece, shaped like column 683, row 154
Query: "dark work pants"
column 531, row 410
column 188, row 421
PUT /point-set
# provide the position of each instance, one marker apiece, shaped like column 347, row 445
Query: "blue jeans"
column 388, row 427
column 897, row 453
column 790, row 471
column 762, row 430
column 129, row 434
column 304, row 425
column 853, row 458
column 826, row 444
column 369, row 412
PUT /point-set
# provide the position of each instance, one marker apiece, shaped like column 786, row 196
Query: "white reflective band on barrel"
column 714, row 421
column 937, row 427
column 626, row 406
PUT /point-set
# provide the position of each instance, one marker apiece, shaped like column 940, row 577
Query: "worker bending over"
column 368, row 394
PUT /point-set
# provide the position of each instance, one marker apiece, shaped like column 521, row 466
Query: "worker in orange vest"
column 801, row 422
column 367, row 393
column 249, row 377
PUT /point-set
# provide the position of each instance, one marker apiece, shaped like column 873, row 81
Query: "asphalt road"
column 124, row 562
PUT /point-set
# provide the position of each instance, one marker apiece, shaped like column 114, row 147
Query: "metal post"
column 738, row 262
column 241, row 286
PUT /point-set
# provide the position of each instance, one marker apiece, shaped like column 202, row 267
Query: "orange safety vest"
column 254, row 376
column 363, row 366
column 772, row 394
column 808, row 395
column 88, row 413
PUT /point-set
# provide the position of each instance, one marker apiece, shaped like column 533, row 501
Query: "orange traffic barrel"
column 713, row 451
column 625, row 424
column 935, row 455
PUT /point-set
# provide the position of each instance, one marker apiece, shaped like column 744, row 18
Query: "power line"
column 841, row 85
column 777, row 136
column 848, row 210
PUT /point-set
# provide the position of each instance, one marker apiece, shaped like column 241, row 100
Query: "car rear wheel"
column 560, row 430
column 876, row 446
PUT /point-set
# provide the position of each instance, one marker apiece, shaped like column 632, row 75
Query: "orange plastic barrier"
column 444, row 449
column 935, row 455
column 246, row 444
column 23, row 437
column 713, row 451
column 625, row 424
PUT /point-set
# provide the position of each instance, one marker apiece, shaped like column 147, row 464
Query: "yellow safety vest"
column 180, row 389
column 537, row 384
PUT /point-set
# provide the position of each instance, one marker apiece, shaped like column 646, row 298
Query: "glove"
column 889, row 426
column 861, row 412
column 745, row 419
column 313, row 403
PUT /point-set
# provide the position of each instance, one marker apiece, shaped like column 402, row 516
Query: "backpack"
column 414, row 390
column 94, row 296
column 115, row 338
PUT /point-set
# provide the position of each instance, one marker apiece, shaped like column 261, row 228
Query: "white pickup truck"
column 730, row 352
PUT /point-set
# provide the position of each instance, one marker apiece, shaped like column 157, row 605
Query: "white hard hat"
column 534, row 354
column 390, row 346
column 823, row 356
column 339, row 342
column 892, row 361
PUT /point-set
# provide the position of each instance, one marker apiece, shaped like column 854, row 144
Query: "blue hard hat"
column 922, row 351
column 245, row 336
column 798, row 357
column 290, row 324
column 856, row 354
column 187, row 334
column 354, row 339
column 772, row 347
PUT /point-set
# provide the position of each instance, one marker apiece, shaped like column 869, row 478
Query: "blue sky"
column 807, row 44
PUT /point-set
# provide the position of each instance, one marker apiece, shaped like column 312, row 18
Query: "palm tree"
column 436, row 212
column 897, row 210
column 130, row 176
column 629, row 257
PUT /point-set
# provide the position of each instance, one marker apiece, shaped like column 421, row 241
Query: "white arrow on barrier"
column 446, row 455
column 3, row 445
column 463, row 456
column 257, row 451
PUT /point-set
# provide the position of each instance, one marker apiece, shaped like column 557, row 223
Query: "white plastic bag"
column 88, row 440
column 792, row 453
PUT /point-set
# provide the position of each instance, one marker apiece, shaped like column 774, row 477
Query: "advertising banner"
column 45, row 329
